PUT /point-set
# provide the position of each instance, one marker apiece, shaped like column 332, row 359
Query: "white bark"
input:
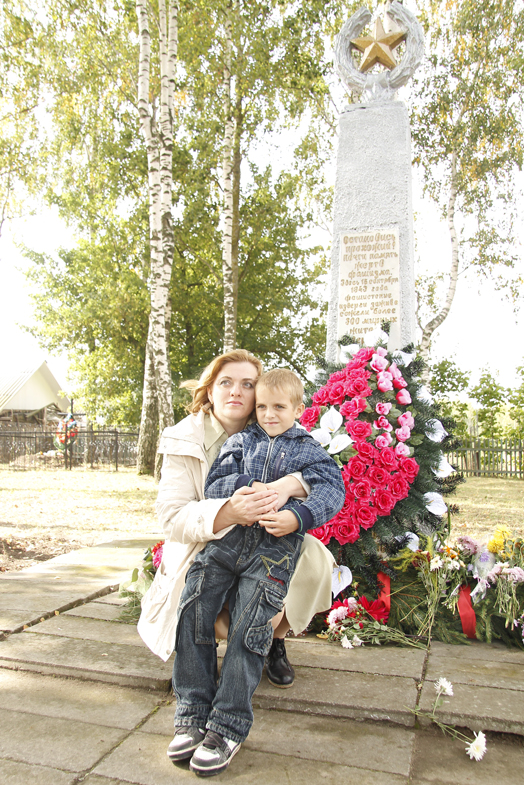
column 434, row 324
column 229, row 268
column 158, row 137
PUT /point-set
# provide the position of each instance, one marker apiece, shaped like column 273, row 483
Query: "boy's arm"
column 226, row 474
column 327, row 494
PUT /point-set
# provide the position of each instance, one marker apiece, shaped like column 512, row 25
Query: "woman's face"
column 233, row 395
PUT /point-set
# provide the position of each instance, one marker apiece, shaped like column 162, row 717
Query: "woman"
column 223, row 402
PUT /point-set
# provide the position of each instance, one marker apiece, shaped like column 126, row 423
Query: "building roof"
column 31, row 389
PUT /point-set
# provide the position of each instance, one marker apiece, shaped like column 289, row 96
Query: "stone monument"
column 372, row 277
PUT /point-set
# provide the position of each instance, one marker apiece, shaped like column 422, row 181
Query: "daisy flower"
column 443, row 686
column 476, row 748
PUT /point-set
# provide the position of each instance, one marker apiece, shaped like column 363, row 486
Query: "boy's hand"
column 279, row 523
column 286, row 487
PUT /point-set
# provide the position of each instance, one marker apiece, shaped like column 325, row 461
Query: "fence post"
column 116, row 449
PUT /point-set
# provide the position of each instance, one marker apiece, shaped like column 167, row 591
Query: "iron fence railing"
column 94, row 449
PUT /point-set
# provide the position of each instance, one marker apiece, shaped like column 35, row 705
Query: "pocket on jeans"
column 259, row 634
column 193, row 587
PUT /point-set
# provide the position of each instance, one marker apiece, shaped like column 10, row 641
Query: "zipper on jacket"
column 278, row 465
column 268, row 456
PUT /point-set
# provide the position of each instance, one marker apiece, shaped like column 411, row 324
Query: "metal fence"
column 489, row 458
column 107, row 449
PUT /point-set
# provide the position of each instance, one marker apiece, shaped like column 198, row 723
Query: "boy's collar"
column 291, row 433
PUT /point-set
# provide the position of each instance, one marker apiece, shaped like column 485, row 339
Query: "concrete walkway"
column 82, row 699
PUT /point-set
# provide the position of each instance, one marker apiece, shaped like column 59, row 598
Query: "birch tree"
column 468, row 139
column 157, row 126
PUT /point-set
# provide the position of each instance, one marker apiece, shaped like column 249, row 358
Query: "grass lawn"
column 44, row 513
column 485, row 502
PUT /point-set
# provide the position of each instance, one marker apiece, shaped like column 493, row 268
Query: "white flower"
column 336, row 615
column 476, row 748
column 322, row 436
column 412, row 541
column 443, row 686
column 425, row 395
column 356, row 641
column 435, row 503
column 435, row 563
column 340, row 578
column 444, row 468
column 331, row 420
column 375, row 336
column 436, row 431
column 348, row 351
column 339, row 443
column 346, row 643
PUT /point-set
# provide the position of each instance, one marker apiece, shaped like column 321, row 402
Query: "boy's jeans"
column 251, row 569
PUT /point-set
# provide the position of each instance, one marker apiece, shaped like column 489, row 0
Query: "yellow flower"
column 498, row 540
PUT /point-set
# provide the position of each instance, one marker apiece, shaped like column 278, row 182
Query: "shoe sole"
column 210, row 771
column 280, row 686
column 183, row 755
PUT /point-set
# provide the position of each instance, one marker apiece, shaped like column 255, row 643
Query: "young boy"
column 250, row 568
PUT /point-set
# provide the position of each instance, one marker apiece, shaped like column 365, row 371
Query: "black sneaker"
column 278, row 669
column 186, row 739
column 213, row 755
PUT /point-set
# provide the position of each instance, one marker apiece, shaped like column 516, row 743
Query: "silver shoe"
column 213, row 755
column 185, row 741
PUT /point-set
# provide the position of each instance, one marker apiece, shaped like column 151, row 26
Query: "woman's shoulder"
column 190, row 429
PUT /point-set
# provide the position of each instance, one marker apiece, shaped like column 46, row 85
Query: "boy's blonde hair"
column 284, row 380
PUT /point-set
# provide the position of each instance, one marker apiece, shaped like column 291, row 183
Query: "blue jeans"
column 251, row 570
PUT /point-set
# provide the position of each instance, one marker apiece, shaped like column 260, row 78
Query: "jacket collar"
column 291, row 433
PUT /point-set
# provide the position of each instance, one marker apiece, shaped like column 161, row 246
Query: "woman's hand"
column 280, row 523
column 287, row 487
column 246, row 506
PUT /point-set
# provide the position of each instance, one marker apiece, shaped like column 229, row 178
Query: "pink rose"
column 366, row 451
column 338, row 376
column 398, row 486
column 362, row 489
column 381, row 351
column 310, row 417
column 395, row 371
column 383, row 423
column 358, row 387
column 353, row 408
column 410, row 467
column 384, row 440
column 402, row 450
column 337, row 393
column 403, row 433
column 383, row 408
column 399, row 383
column 388, row 459
column 384, row 501
column 322, row 533
column 321, row 397
column 363, row 355
column 345, row 532
column 384, row 383
column 403, row 397
column 377, row 476
column 354, row 469
column 406, row 419
column 359, row 429
column 365, row 515
column 378, row 363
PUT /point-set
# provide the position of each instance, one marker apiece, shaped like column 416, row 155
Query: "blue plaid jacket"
column 252, row 455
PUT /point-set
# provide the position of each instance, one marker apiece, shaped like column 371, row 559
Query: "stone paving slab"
column 459, row 668
column 96, row 610
column 336, row 693
column 45, row 741
column 143, row 761
column 89, row 629
column 17, row 773
column 441, row 760
column 91, row 702
column 129, row 666
column 477, row 650
column 111, row 599
column 478, row 708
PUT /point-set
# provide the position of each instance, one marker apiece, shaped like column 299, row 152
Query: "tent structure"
column 25, row 395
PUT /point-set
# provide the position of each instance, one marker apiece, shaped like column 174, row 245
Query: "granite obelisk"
column 372, row 278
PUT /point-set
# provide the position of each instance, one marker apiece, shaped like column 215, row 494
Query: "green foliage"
column 492, row 397
column 516, row 402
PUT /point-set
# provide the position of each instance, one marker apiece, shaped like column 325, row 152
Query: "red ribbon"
column 385, row 592
column 466, row 612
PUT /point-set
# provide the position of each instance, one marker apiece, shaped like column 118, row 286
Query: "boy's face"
column 275, row 411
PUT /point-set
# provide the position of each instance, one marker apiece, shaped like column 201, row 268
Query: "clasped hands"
column 262, row 503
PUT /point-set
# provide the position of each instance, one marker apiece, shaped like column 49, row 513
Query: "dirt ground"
column 46, row 513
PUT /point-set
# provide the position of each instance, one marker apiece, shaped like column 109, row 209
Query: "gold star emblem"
column 378, row 47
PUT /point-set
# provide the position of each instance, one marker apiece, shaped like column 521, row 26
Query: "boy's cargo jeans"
column 251, row 569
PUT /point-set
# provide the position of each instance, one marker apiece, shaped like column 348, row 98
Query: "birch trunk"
column 147, row 442
column 229, row 259
column 156, row 125
column 434, row 324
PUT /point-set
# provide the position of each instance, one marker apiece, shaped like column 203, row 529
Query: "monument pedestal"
column 372, row 277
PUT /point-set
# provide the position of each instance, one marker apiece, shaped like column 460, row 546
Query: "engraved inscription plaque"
column 369, row 291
